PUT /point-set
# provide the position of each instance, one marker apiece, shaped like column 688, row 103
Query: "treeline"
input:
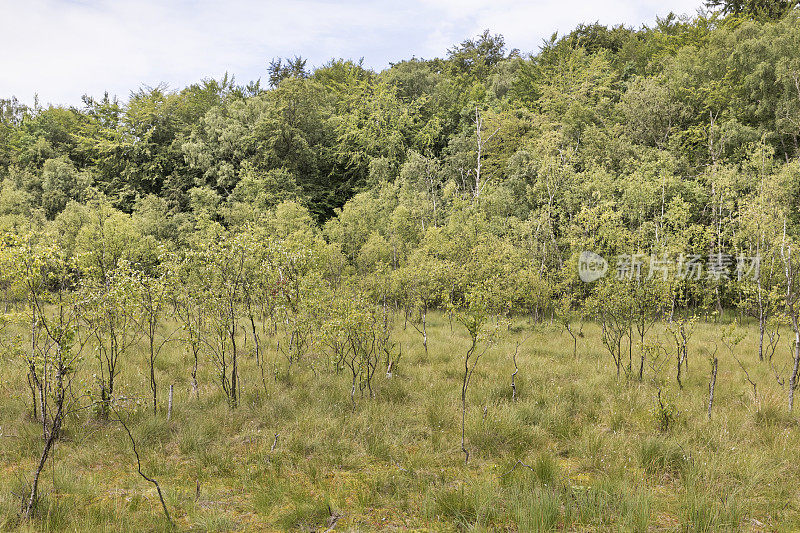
column 675, row 140
column 675, row 98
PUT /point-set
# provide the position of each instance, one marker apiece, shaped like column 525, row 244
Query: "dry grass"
column 578, row 450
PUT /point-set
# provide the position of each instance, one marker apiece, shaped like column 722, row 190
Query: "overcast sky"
column 62, row 49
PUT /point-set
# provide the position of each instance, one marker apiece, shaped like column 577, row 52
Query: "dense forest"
column 664, row 139
column 306, row 239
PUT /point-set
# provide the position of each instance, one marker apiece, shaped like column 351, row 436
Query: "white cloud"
column 62, row 49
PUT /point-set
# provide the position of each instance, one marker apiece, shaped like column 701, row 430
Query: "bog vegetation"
column 352, row 300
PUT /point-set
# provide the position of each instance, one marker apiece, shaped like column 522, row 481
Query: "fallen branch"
column 518, row 463
column 333, row 518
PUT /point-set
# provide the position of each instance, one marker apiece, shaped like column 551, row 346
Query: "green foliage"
column 762, row 9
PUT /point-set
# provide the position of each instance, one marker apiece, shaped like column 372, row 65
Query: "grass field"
column 579, row 448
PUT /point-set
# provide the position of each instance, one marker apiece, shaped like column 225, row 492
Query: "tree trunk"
column 793, row 376
column 169, row 405
column 711, row 385
column 153, row 386
column 48, row 445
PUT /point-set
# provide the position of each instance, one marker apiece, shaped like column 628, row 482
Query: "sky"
column 63, row 49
